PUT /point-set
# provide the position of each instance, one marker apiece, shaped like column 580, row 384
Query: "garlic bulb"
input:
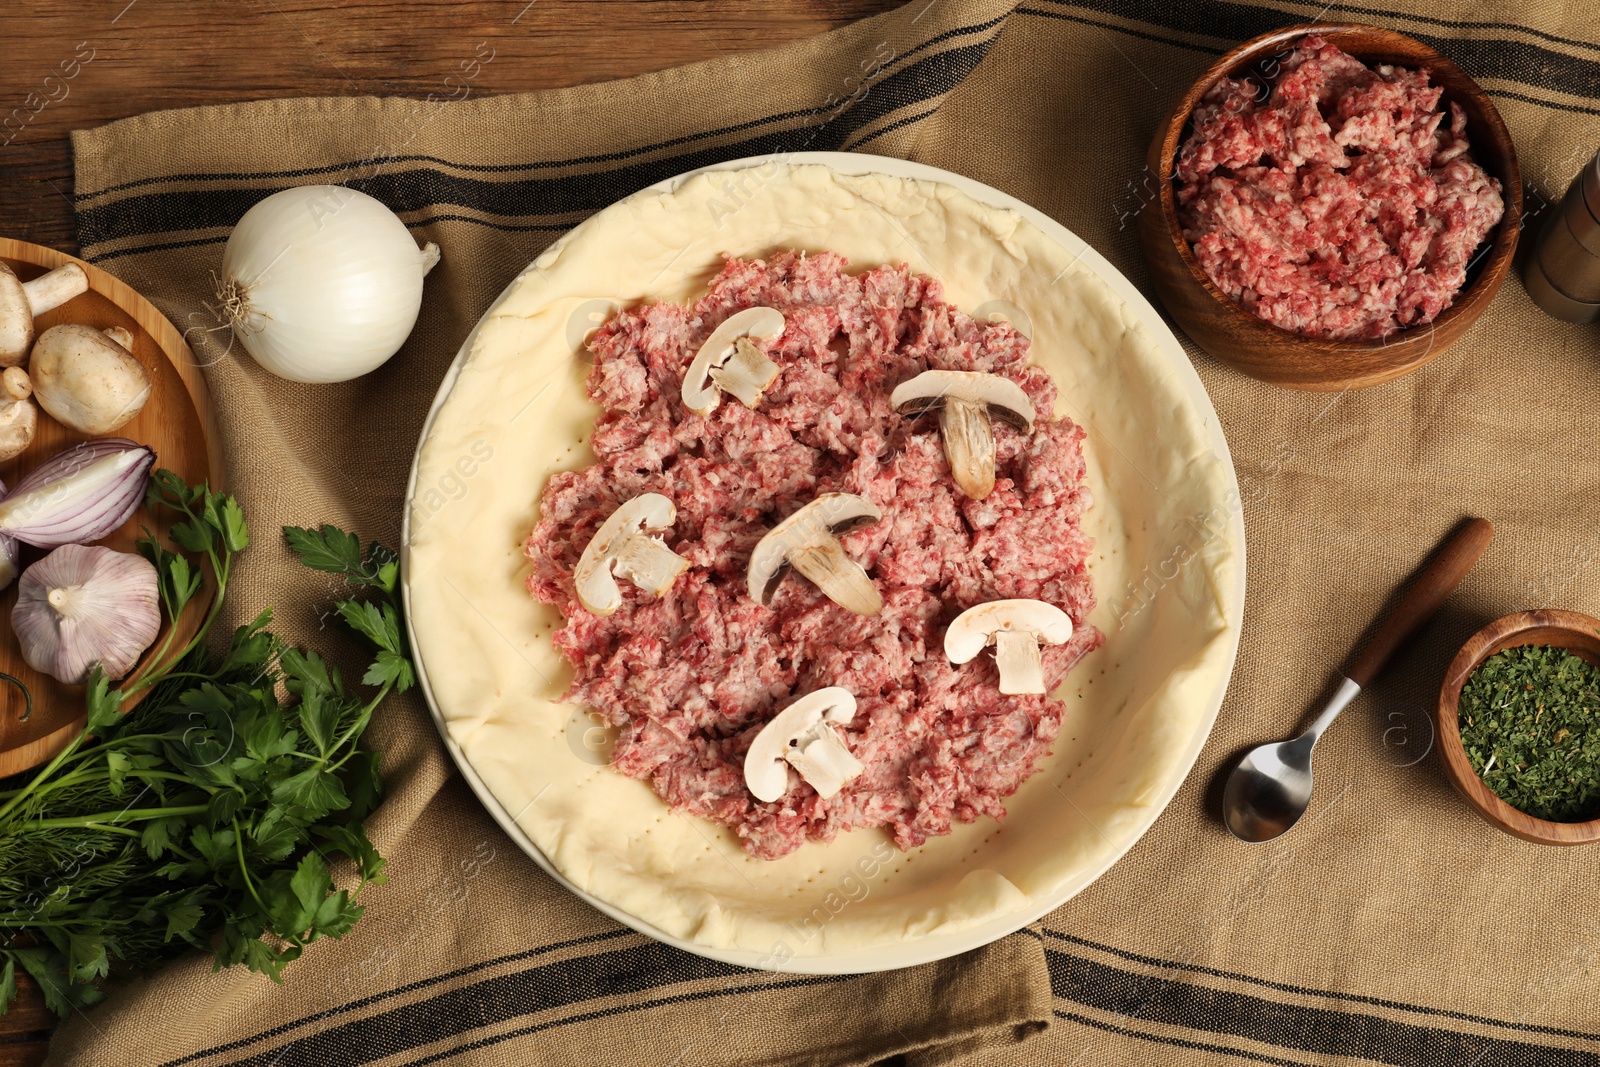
column 322, row 283
column 83, row 605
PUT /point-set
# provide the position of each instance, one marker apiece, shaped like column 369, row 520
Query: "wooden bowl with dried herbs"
column 1519, row 725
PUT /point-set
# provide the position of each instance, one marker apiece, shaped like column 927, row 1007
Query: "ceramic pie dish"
column 1169, row 568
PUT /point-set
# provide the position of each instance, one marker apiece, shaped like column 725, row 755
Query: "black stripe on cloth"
column 588, row 1016
column 1547, row 103
column 1354, row 998
column 1295, row 1027
column 418, row 189
column 502, row 168
column 1457, row 24
column 354, row 1005
column 619, row 972
column 1197, row 1046
column 899, row 124
column 132, row 250
column 1504, row 59
column 1504, row 94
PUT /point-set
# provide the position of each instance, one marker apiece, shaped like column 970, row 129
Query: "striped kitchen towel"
column 1390, row 927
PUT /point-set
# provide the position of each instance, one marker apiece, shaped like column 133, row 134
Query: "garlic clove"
column 83, row 605
column 10, row 550
column 10, row 553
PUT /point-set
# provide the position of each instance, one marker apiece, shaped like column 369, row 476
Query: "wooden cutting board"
column 176, row 421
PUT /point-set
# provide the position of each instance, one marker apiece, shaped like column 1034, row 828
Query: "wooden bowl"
column 1230, row 333
column 1578, row 634
column 175, row 421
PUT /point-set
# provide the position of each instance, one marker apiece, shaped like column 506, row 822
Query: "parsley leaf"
column 194, row 818
column 328, row 549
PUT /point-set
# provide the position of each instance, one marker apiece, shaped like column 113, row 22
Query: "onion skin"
column 50, row 508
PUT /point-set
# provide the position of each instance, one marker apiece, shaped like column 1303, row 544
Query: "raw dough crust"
column 1164, row 570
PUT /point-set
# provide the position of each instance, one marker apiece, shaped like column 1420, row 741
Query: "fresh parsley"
column 207, row 815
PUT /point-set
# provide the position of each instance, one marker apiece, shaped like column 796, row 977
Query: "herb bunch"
column 1530, row 722
column 205, row 816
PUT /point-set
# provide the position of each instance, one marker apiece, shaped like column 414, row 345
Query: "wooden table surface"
column 74, row 64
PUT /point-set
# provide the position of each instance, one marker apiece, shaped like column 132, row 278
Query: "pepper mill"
column 1563, row 272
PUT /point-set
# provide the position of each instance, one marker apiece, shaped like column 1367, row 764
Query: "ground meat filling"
column 691, row 678
column 1338, row 204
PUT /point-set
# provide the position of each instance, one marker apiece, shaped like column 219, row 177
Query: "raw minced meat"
column 689, row 679
column 1339, row 204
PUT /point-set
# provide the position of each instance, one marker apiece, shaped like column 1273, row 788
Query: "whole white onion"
column 322, row 283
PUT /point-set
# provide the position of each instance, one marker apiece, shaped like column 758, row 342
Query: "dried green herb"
column 1530, row 722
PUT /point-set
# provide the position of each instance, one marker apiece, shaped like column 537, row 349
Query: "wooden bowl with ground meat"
column 1568, row 630
column 1315, row 223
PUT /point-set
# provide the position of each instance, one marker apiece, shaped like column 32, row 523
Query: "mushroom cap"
column 597, row 587
column 973, row 629
column 766, row 772
column 86, row 380
column 927, row 391
column 16, row 318
column 824, row 518
column 700, row 394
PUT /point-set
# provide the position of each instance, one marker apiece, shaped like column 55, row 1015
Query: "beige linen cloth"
column 1391, row 926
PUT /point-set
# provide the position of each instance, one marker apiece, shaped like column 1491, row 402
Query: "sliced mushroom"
column 20, row 301
column 1017, row 629
column 18, row 416
column 967, row 401
column 800, row 736
column 729, row 363
column 623, row 548
column 88, row 379
column 808, row 541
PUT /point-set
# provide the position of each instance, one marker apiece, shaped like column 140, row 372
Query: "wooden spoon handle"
column 1435, row 581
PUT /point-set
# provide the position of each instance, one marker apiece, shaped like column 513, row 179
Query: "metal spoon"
column 1270, row 788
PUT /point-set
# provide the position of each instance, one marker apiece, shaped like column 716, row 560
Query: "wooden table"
column 73, row 64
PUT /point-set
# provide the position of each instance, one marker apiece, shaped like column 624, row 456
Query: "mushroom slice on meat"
column 800, row 736
column 623, row 548
column 967, row 402
column 729, row 363
column 1016, row 629
column 808, row 541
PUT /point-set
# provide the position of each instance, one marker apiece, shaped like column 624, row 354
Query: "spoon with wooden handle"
column 1271, row 787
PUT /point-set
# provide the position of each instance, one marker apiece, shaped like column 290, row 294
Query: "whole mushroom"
column 21, row 301
column 87, row 378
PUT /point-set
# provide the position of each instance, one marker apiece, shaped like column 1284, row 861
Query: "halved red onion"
column 78, row 495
